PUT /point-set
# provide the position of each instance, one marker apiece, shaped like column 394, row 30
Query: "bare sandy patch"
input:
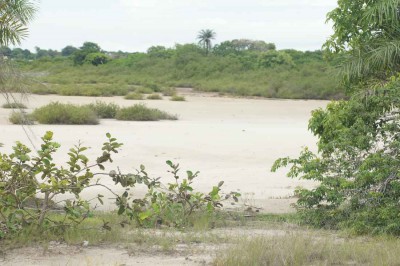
column 230, row 139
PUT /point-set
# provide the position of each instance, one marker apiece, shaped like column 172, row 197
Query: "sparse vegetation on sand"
column 104, row 110
column 134, row 96
column 154, row 96
column 14, row 105
column 20, row 118
column 178, row 98
column 140, row 112
column 69, row 114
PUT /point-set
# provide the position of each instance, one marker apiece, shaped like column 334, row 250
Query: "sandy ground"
column 230, row 139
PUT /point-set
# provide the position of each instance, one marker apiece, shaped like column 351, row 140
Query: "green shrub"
column 178, row 98
column 154, row 96
column 140, row 112
column 20, row 118
column 59, row 113
column 14, row 105
column 104, row 110
column 144, row 90
column 134, row 96
column 29, row 183
column 168, row 91
column 356, row 165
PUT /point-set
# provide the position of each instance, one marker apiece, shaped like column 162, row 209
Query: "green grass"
column 69, row 114
column 104, row 110
column 14, row 105
column 154, row 96
column 178, row 98
column 310, row 248
column 140, row 112
column 241, row 245
column 134, row 96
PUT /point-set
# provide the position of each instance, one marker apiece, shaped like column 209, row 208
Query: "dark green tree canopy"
column 68, row 50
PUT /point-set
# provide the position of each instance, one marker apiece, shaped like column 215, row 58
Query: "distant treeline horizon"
column 239, row 67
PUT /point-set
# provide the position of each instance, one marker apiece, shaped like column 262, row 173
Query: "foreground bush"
column 29, row 185
column 357, row 164
column 140, row 112
column 69, row 114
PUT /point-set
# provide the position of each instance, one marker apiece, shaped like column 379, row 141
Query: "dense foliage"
column 358, row 159
column 367, row 36
column 357, row 164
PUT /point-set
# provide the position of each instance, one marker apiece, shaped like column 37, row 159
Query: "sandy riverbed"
column 230, row 139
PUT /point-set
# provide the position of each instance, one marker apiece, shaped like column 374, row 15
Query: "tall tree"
column 15, row 15
column 205, row 37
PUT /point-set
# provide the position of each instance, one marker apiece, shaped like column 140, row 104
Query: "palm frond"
column 384, row 11
column 14, row 17
column 382, row 56
column 385, row 55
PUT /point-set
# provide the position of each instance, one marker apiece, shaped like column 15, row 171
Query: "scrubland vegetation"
column 356, row 166
column 70, row 114
column 237, row 67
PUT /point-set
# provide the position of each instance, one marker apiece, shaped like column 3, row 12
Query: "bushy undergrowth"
column 140, row 112
column 60, row 113
column 239, row 74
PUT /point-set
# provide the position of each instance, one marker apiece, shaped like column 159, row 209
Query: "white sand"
column 230, row 139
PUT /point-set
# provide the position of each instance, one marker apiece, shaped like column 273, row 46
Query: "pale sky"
column 135, row 25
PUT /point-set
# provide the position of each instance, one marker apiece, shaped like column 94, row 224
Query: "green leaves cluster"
column 173, row 204
column 29, row 184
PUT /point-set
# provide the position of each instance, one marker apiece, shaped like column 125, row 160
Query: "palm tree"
column 205, row 37
column 15, row 15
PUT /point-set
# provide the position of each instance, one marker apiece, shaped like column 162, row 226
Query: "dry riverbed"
column 230, row 139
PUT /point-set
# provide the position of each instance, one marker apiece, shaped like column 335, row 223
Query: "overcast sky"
column 135, row 25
